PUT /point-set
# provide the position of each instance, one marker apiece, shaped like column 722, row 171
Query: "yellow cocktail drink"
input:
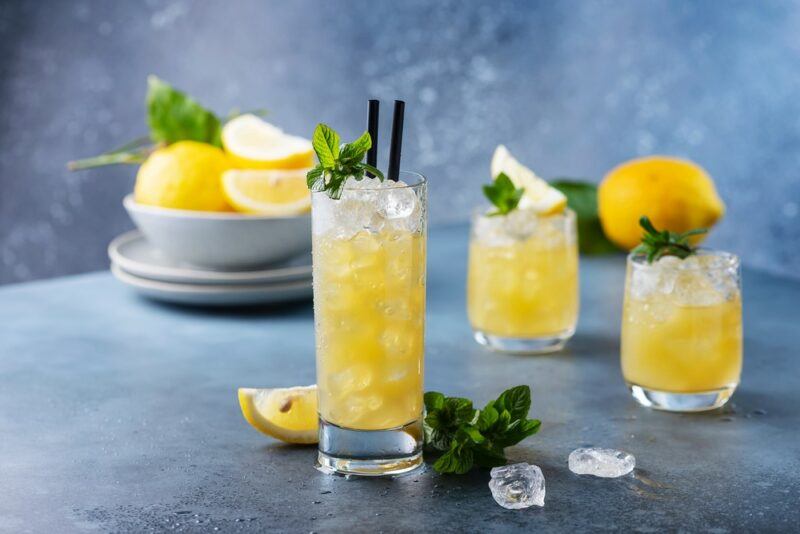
column 370, row 311
column 682, row 330
column 369, row 251
column 522, row 282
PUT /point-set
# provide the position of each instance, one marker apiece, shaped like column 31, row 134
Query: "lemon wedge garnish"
column 267, row 192
column 287, row 414
column 252, row 143
column 539, row 196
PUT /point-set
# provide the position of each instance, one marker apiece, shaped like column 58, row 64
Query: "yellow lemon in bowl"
column 676, row 194
column 279, row 193
column 185, row 175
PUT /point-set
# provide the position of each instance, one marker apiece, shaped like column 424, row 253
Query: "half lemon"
column 278, row 193
column 287, row 414
column 252, row 143
column 539, row 196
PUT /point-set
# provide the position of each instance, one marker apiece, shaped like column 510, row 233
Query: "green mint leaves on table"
column 656, row 244
column 582, row 199
column 469, row 437
column 503, row 195
column 338, row 162
column 172, row 116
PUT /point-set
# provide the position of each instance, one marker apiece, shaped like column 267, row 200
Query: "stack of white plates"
column 135, row 262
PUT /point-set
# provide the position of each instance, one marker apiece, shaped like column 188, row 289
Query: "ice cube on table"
column 605, row 463
column 517, row 486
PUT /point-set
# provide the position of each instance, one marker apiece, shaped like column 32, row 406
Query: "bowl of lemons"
column 213, row 193
column 236, row 207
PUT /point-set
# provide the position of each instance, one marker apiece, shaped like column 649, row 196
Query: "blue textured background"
column 571, row 87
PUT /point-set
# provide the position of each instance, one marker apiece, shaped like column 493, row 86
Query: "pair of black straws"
column 397, row 137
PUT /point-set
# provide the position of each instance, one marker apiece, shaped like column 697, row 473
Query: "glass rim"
column 483, row 212
column 420, row 181
column 730, row 260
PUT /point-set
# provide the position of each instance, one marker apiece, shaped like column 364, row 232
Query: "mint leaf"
column 487, row 417
column 314, row 178
column 503, row 195
column 516, row 400
column 468, row 437
column 174, row 116
column 354, row 152
column 469, row 433
column 338, row 163
column 433, row 400
column 458, row 460
column 582, row 199
column 488, row 457
column 326, row 144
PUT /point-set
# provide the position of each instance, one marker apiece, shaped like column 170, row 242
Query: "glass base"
column 521, row 345
column 701, row 401
column 372, row 453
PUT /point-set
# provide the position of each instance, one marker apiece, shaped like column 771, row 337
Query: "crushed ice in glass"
column 517, row 486
column 364, row 206
column 706, row 279
column 606, row 463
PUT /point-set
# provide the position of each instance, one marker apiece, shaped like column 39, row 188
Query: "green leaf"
column 516, row 400
column 461, row 409
column 488, row 457
column 503, row 194
column 362, row 144
column 374, row 170
column 174, row 116
column 314, row 176
column 469, row 433
column 487, row 417
column 517, row 431
column 326, row 144
column 433, row 400
column 582, row 199
column 656, row 244
column 458, row 460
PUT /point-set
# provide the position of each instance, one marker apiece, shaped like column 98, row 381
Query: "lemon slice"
column 252, row 143
column 539, row 196
column 287, row 414
column 267, row 192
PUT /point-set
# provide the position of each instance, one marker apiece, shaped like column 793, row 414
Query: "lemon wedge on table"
column 287, row 414
column 252, row 143
column 539, row 196
column 267, row 192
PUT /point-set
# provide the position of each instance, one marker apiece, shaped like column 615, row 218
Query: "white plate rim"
column 207, row 289
column 148, row 271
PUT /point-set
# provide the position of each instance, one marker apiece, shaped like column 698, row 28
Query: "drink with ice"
column 681, row 346
column 522, row 282
column 369, row 309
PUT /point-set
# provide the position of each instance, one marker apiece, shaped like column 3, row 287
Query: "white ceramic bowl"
column 224, row 241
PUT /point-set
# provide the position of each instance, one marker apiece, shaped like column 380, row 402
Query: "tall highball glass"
column 369, row 250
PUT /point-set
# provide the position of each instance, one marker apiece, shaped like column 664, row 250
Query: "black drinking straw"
column 397, row 140
column 372, row 128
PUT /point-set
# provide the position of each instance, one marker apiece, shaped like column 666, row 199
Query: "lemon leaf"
column 582, row 199
column 175, row 116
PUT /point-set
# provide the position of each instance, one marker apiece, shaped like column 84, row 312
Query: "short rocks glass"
column 522, row 284
column 682, row 330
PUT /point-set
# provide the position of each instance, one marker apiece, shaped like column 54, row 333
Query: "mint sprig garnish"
column 503, row 195
column 338, row 162
column 469, row 437
column 659, row 243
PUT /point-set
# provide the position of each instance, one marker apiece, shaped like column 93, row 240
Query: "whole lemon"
column 676, row 195
column 185, row 175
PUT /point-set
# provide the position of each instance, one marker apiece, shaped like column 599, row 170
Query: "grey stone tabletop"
column 120, row 414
